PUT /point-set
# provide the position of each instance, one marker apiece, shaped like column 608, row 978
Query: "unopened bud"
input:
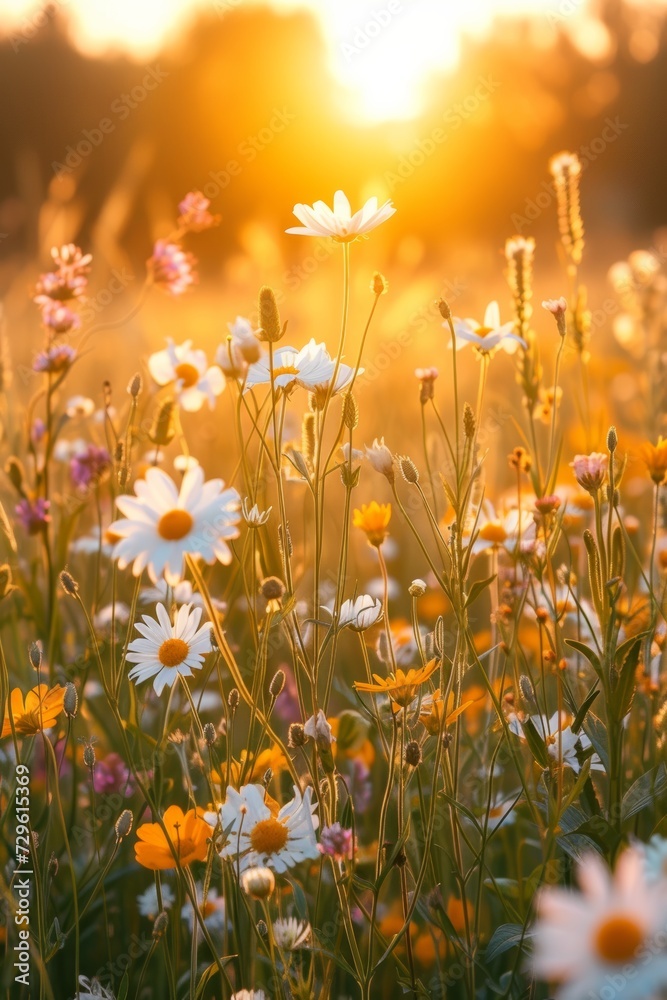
column 612, row 439
column 160, row 925
column 69, row 584
column 408, row 469
column 269, row 317
column 124, row 824
column 258, row 883
column 210, row 734
column 413, row 753
column 277, row 683
column 70, row 701
column 35, row 654
column 445, row 311
column 135, row 385
column 350, row 411
column 378, row 284
column 296, row 736
column 233, row 699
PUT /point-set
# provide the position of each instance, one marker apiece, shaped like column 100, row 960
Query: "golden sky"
column 383, row 52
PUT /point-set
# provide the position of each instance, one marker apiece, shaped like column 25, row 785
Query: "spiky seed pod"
column 70, row 701
column 612, row 439
column 469, row 422
column 277, row 683
column 519, row 254
column 565, row 169
column 272, row 588
column 233, row 699
column 69, row 584
column 296, row 736
column 527, row 689
column 135, row 386
column 408, row 469
column 160, row 925
column 285, row 541
column 413, row 753
column 124, row 824
column 35, row 655
column 445, row 311
column 163, row 427
column 89, row 756
column 378, row 284
column 269, row 317
column 210, row 734
column 350, row 411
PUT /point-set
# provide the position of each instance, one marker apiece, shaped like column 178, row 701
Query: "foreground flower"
column 188, row 835
column 590, row 470
column 610, row 932
column 488, row 336
column 162, row 524
column 38, row 712
column 171, row 267
column 401, row 687
column 168, row 651
column 260, row 835
column 33, row 514
column 311, row 367
column 291, row 934
column 373, row 519
column 340, row 224
column 655, row 457
column 194, row 382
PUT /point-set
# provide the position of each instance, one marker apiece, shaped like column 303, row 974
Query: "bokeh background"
column 453, row 113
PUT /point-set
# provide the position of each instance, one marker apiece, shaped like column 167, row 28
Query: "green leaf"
column 503, row 938
column 536, row 744
column 644, row 791
column 596, row 731
column 582, row 711
column 478, row 587
column 623, row 677
column 590, row 654
column 124, row 987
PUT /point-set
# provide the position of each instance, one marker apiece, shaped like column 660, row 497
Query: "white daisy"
column 609, row 936
column 311, row 367
column 162, row 524
column 167, row 651
column 148, row 904
column 488, row 336
column 494, row 531
column 359, row 614
column 258, row 835
column 213, row 910
column 563, row 745
column 290, row 934
column 194, row 381
column 340, row 224
column 249, row 995
column 655, row 855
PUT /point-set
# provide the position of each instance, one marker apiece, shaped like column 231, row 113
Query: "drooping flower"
column 187, row 832
column 171, row 267
column 655, row 457
column 241, row 348
column 607, row 932
column 261, row 835
column 163, row 524
column 381, row 458
column 489, row 336
column 340, row 224
column 401, row 687
column 37, row 713
column 194, row 214
column 167, row 651
column 291, row 934
column 373, row 519
column 194, row 381
column 89, row 466
column 590, row 470
column 317, row 728
column 33, row 514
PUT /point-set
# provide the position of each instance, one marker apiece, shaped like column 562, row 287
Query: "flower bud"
column 417, row 588
column 413, row 753
column 69, row 584
column 296, row 736
column 258, row 883
column 210, row 735
column 269, row 317
column 135, row 385
column 35, row 654
column 160, row 925
column 277, row 683
column 233, row 699
column 124, row 824
column 408, row 469
column 70, row 701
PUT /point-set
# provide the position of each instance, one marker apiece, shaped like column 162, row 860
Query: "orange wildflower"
column 401, row 687
column 38, row 712
column 655, row 457
column 373, row 519
column 188, row 835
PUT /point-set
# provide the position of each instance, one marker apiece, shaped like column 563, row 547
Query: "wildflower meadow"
column 296, row 709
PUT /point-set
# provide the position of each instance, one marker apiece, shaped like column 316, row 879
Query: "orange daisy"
column 373, row 519
column 188, row 834
column 38, row 712
column 401, row 687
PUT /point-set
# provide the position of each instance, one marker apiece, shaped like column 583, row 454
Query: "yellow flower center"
column 482, row 331
column 187, row 373
column 493, row 531
column 174, row 525
column 285, row 370
column 618, row 938
column 268, row 836
column 172, row 652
